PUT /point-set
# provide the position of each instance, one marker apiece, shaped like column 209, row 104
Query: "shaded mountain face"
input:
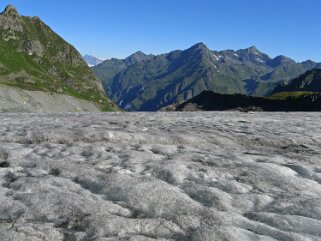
column 210, row 101
column 92, row 60
column 33, row 57
column 147, row 83
column 309, row 81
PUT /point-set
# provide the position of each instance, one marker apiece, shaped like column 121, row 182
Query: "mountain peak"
column 309, row 61
column 137, row 57
column 282, row 58
column 200, row 45
column 139, row 53
column 253, row 48
column 10, row 9
column 199, row 48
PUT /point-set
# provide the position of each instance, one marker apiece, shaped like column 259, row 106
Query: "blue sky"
column 117, row 28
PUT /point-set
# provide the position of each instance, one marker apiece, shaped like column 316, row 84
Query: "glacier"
column 160, row 176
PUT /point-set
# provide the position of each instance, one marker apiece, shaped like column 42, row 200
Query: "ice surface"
column 160, row 176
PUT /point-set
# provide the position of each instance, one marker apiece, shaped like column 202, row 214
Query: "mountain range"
column 150, row 82
column 92, row 60
column 34, row 58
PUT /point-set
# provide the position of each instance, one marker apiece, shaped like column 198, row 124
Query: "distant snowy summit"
column 92, row 60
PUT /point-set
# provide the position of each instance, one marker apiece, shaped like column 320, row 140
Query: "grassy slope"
column 59, row 68
column 308, row 82
column 293, row 95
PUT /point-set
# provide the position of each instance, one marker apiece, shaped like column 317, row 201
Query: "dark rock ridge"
column 147, row 82
column 33, row 57
column 210, row 101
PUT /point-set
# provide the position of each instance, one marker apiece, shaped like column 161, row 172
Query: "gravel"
column 19, row 100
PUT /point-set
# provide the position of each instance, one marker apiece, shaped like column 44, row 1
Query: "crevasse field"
column 160, row 176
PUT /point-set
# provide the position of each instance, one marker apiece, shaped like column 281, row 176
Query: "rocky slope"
column 147, row 82
column 161, row 176
column 33, row 57
column 284, row 101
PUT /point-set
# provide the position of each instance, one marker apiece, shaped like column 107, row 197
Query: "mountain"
column 33, row 57
column 92, row 60
column 147, row 82
column 110, row 68
column 210, row 101
column 309, row 81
